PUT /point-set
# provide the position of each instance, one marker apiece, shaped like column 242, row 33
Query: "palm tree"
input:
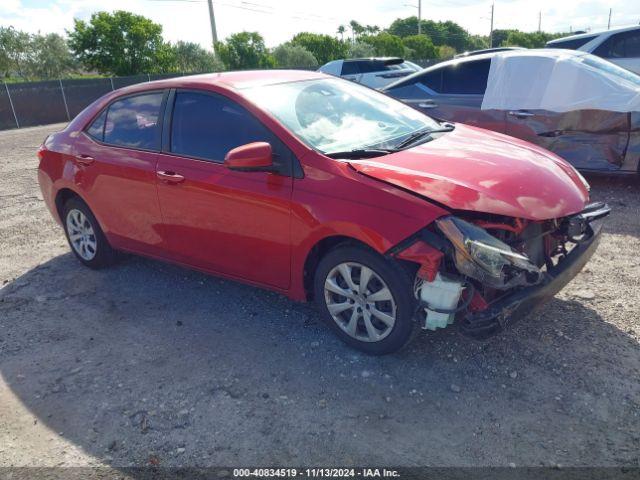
column 341, row 30
column 356, row 29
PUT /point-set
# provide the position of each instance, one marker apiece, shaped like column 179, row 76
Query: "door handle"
column 84, row 159
column 428, row 105
column 520, row 113
column 170, row 177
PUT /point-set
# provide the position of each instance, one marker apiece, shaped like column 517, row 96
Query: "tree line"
column 122, row 43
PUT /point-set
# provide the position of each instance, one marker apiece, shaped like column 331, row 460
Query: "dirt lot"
column 150, row 363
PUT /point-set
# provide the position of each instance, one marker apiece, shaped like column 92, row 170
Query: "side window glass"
column 350, row 68
column 432, row 79
column 207, row 126
column 632, row 45
column 96, row 129
column 466, row 78
column 133, row 122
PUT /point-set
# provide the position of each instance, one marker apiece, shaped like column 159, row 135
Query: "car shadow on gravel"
column 150, row 364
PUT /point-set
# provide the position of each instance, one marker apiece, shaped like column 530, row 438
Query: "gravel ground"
column 150, row 364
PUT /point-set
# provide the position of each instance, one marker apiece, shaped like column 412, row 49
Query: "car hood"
column 481, row 171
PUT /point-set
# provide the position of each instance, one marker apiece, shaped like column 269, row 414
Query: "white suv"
column 620, row 46
column 372, row 72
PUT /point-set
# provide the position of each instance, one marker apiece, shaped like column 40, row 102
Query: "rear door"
column 234, row 223
column 116, row 157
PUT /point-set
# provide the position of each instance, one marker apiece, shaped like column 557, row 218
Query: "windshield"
column 610, row 69
column 332, row 115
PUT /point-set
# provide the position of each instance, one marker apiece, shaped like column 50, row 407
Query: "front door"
column 234, row 223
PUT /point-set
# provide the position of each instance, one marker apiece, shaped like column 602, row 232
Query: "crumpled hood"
column 482, row 171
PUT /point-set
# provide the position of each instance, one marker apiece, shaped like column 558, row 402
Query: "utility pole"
column 609, row 24
column 419, row 17
column 540, row 21
column 491, row 31
column 214, row 32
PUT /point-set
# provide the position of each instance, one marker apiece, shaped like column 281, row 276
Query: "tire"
column 85, row 237
column 377, row 335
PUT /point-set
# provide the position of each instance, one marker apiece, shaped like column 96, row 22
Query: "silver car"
column 372, row 72
column 620, row 46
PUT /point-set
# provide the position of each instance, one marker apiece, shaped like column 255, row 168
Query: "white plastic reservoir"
column 444, row 294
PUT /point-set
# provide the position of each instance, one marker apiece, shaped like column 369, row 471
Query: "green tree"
column 189, row 57
column 341, row 30
column 361, row 50
column 356, row 29
column 441, row 33
column 119, row 43
column 499, row 36
column 515, row 38
column 385, row 44
column 293, row 56
column 244, row 50
column 420, row 46
column 446, row 52
column 15, row 52
column 51, row 57
column 323, row 47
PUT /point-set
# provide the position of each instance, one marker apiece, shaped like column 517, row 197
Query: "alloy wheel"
column 360, row 302
column 81, row 235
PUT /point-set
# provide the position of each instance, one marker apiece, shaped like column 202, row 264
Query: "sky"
column 279, row 20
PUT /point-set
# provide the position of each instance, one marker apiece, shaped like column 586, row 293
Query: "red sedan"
column 322, row 189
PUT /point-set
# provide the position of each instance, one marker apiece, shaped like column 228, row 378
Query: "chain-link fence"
column 39, row 103
column 52, row 101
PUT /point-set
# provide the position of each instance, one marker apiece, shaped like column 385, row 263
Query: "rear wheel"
column 366, row 299
column 86, row 239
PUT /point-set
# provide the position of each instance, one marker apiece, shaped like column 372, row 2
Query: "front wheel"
column 366, row 299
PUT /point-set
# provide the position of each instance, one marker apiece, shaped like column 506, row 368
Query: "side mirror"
column 252, row 157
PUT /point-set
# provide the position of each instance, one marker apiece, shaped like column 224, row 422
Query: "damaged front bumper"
column 515, row 305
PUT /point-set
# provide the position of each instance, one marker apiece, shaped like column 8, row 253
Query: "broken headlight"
column 485, row 258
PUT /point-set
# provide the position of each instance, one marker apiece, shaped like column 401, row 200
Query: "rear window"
column 573, row 44
column 133, row 122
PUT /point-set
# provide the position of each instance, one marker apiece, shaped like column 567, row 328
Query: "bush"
column 293, row 56
column 421, row 47
column 385, row 44
column 361, row 50
column 323, row 47
column 244, row 50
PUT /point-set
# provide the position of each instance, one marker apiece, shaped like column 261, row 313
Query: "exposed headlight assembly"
column 485, row 258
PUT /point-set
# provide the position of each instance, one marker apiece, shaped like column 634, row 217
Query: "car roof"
column 532, row 52
column 594, row 34
column 376, row 59
column 473, row 53
column 236, row 80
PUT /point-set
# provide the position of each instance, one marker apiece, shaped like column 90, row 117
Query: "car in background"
column 577, row 105
column 486, row 50
column 372, row 72
column 320, row 188
column 620, row 46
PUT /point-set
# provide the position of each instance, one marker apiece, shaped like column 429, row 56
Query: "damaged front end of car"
column 485, row 271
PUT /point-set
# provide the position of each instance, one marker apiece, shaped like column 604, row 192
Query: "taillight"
column 41, row 151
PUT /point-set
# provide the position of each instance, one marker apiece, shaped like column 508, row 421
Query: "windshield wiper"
column 415, row 136
column 361, row 153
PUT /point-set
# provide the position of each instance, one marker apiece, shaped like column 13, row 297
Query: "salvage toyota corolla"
column 322, row 189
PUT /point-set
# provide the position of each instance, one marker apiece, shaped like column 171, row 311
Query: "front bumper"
column 522, row 302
